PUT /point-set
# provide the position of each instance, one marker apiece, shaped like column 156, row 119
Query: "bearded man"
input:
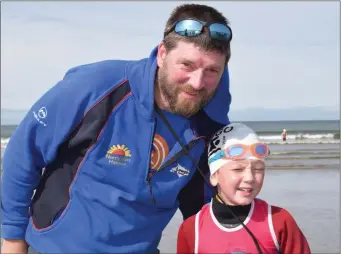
column 112, row 150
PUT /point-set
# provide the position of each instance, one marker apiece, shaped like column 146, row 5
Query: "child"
column 236, row 160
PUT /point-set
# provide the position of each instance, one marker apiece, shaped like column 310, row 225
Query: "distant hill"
column 13, row 116
column 291, row 114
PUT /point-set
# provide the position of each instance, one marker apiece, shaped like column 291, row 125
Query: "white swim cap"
column 234, row 133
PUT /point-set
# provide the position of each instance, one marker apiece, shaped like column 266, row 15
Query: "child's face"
column 239, row 182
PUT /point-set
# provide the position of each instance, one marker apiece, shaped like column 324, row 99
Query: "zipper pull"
column 151, row 187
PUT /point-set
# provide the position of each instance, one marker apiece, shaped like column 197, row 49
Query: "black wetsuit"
column 225, row 218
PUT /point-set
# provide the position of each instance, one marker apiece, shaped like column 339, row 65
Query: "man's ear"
column 161, row 54
column 214, row 179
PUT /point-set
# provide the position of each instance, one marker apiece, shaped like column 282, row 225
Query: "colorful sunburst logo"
column 119, row 155
column 120, row 150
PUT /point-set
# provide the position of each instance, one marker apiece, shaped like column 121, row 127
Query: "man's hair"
column 204, row 41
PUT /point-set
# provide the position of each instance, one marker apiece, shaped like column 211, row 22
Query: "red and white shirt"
column 274, row 228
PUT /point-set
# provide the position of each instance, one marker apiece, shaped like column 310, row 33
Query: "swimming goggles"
column 194, row 27
column 239, row 151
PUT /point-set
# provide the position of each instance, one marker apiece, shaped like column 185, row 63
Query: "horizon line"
column 251, row 108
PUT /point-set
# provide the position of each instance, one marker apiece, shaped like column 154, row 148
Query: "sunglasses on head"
column 194, row 27
column 239, row 151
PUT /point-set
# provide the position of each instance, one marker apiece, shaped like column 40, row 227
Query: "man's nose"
column 196, row 80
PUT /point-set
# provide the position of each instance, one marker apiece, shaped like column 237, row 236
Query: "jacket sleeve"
column 197, row 192
column 35, row 141
column 289, row 236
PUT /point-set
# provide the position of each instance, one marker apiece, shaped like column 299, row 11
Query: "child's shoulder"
column 189, row 222
column 278, row 212
column 288, row 233
column 281, row 217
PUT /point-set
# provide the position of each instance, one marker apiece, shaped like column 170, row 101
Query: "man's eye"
column 212, row 72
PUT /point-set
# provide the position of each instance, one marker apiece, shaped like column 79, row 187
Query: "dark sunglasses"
column 193, row 27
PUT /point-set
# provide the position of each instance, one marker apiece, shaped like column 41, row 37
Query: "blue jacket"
column 84, row 150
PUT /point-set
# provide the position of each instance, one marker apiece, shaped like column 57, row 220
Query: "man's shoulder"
column 96, row 78
column 90, row 81
column 106, row 72
column 101, row 69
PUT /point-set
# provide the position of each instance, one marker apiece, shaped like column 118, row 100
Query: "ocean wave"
column 320, row 136
column 303, row 158
column 302, row 138
column 328, row 138
column 307, row 152
column 4, row 142
column 295, row 166
column 293, row 142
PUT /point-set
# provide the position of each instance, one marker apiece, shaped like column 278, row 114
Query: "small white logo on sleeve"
column 40, row 115
column 180, row 171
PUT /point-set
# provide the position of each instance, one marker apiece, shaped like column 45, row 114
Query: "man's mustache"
column 191, row 90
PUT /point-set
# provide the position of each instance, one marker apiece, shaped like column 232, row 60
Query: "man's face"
column 188, row 77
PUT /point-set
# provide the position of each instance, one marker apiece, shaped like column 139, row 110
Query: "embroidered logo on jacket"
column 180, row 171
column 119, row 155
column 41, row 115
column 159, row 152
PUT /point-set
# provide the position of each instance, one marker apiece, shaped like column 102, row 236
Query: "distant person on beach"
column 114, row 139
column 284, row 135
column 237, row 166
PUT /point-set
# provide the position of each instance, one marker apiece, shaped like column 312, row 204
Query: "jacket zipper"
column 150, row 174
column 149, row 178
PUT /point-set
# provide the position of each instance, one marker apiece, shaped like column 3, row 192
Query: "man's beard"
column 170, row 92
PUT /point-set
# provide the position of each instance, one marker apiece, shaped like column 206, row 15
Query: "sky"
column 284, row 54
